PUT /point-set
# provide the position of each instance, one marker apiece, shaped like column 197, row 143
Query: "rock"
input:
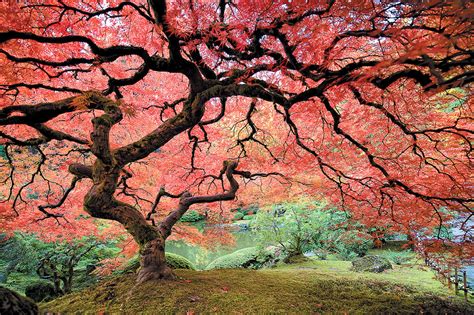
column 40, row 291
column 371, row 263
column 13, row 303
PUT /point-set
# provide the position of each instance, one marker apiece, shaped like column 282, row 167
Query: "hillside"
column 309, row 287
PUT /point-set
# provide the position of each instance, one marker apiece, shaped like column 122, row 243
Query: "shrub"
column 176, row 261
column 192, row 216
column 399, row 258
column 353, row 243
column 173, row 261
column 251, row 257
column 248, row 217
column 299, row 227
column 238, row 216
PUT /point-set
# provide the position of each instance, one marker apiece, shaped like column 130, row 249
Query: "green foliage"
column 23, row 254
column 251, row 258
column 400, row 257
column 3, row 152
column 443, row 232
column 248, row 217
column 192, row 216
column 309, row 226
column 249, row 210
column 238, row 216
column 353, row 243
column 174, row 261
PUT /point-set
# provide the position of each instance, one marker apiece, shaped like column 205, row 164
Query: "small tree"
column 58, row 265
column 56, row 262
column 298, row 227
column 301, row 227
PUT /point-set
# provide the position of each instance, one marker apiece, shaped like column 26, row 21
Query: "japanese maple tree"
column 365, row 102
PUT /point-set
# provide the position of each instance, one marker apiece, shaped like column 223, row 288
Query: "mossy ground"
column 306, row 287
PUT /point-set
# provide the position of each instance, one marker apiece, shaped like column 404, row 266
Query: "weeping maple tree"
column 135, row 111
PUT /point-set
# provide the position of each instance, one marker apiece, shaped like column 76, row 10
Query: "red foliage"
column 365, row 103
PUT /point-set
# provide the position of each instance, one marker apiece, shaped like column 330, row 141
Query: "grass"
column 312, row 286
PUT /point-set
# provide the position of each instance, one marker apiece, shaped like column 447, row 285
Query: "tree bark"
column 153, row 262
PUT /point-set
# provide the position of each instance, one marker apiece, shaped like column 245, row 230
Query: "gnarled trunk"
column 153, row 262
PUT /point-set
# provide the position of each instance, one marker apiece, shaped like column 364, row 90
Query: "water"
column 201, row 256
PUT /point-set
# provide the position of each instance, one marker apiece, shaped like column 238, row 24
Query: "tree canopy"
column 365, row 103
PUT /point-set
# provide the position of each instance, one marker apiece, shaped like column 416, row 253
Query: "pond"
column 201, row 256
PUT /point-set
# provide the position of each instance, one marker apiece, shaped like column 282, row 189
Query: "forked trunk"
column 153, row 262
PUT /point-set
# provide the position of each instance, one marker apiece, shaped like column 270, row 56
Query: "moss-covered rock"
column 41, row 291
column 251, row 258
column 242, row 258
column 173, row 261
column 13, row 303
column 371, row 263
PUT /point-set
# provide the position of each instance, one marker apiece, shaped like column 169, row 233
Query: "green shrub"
column 238, row 216
column 248, row 217
column 192, row 216
column 251, row 257
column 173, row 261
column 300, row 227
column 353, row 243
column 399, row 258
column 176, row 261
column 371, row 263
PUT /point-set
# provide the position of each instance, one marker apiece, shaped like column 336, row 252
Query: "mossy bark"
column 153, row 262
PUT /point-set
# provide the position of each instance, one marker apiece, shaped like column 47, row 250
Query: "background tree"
column 368, row 102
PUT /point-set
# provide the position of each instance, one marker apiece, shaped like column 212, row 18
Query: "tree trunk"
column 153, row 262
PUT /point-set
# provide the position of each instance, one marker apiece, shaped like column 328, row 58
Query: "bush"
column 192, row 216
column 251, row 257
column 399, row 258
column 248, row 217
column 238, row 216
column 300, row 227
column 176, row 261
column 173, row 261
column 353, row 243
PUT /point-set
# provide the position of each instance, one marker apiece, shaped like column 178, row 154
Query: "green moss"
column 251, row 257
column 310, row 287
column 172, row 260
column 237, row 259
column 371, row 263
